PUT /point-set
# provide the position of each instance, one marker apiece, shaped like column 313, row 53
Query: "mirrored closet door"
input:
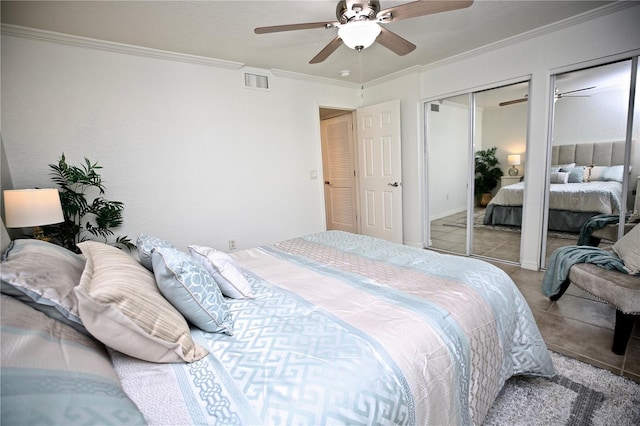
column 595, row 162
column 448, row 172
column 475, row 147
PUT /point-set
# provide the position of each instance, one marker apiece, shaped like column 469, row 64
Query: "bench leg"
column 622, row 332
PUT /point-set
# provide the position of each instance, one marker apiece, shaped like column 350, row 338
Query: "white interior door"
column 338, row 164
column 380, row 170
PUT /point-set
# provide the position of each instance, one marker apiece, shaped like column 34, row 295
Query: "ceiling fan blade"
column 326, row 51
column 514, row 101
column 394, row 42
column 421, row 8
column 577, row 90
column 294, row 27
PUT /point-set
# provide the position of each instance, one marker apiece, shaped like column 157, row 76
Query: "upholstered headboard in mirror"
column 600, row 154
column 587, row 154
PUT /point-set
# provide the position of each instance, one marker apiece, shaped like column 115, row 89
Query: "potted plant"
column 83, row 219
column 487, row 174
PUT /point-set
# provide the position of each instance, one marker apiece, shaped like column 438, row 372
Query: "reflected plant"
column 487, row 172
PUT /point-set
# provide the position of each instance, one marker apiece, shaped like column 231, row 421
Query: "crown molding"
column 414, row 70
column 299, row 76
column 91, row 43
column 537, row 32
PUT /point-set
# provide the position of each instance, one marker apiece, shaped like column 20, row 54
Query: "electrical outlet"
column 232, row 244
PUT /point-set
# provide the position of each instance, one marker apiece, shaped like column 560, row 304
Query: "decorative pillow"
column 596, row 173
column 44, row 275
column 564, row 166
column 145, row 245
column 628, row 249
column 121, row 306
column 613, row 173
column 576, row 174
column 224, row 270
column 191, row 289
column 559, row 177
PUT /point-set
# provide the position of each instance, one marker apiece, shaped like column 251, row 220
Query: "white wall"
column 506, row 128
column 447, row 159
column 601, row 117
column 606, row 37
column 194, row 156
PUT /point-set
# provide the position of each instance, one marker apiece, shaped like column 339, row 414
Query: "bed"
column 329, row 328
column 585, row 181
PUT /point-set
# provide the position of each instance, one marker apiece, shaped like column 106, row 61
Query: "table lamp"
column 513, row 160
column 24, row 208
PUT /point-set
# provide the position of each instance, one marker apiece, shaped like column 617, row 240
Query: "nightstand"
column 509, row 180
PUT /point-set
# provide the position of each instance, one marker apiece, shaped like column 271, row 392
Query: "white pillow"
column 224, row 271
column 596, row 173
column 564, row 166
column 628, row 249
column 559, row 177
column 615, row 173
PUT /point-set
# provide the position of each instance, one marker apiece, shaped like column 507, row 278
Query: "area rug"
column 579, row 394
column 478, row 217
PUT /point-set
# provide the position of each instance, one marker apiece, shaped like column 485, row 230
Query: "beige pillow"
column 628, row 249
column 121, row 306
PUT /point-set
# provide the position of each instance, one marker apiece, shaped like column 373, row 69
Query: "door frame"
column 351, row 111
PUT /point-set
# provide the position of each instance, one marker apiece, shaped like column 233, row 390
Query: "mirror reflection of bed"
column 585, row 180
column 588, row 130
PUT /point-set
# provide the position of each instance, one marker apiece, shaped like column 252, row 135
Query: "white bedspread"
column 601, row 197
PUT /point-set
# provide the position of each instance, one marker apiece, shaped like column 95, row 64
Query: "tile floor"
column 577, row 325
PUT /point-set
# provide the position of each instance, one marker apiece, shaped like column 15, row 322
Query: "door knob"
column 326, row 182
column 394, row 184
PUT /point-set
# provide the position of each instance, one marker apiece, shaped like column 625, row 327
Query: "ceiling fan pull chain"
column 361, row 77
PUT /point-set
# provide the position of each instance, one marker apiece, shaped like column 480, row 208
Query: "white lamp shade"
column 513, row 160
column 32, row 207
column 359, row 33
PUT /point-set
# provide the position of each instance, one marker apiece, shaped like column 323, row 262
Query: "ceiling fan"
column 558, row 95
column 358, row 24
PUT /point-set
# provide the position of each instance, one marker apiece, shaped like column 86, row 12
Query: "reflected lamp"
column 513, row 160
column 26, row 208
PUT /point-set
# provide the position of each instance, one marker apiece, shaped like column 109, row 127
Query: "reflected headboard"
column 586, row 154
column 601, row 154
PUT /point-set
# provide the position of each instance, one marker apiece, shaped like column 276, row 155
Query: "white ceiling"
column 224, row 30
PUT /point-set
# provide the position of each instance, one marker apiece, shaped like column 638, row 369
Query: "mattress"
column 348, row 329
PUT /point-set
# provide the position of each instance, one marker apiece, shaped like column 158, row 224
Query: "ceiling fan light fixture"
column 359, row 35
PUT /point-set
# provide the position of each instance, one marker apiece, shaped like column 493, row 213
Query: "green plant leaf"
column 99, row 216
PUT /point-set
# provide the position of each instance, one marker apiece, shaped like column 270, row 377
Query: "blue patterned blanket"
column 346, row 329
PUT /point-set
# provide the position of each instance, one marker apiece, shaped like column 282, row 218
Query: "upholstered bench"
column 615, row 288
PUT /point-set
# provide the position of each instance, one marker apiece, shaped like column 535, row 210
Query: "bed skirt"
column 559, row 220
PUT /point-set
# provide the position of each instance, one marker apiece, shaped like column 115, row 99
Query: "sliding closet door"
column 493, row 119
column 593, row 127
column 501, row 125
column 447, row 168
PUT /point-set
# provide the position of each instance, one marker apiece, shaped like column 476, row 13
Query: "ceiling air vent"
column 256, row 81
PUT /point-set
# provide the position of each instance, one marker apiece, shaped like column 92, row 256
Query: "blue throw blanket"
column 556, row 278
column 594, row 223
